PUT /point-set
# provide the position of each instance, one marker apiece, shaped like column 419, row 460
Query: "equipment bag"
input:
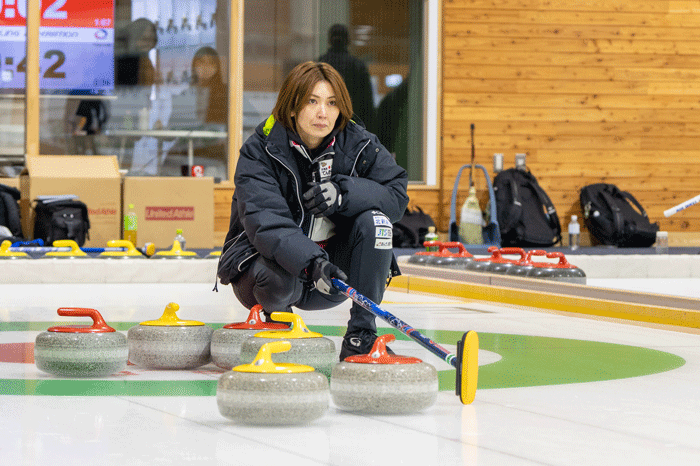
column 61, row 219
column 9, row 212
column 409, row 232
column 615, row 217
column 526, row 215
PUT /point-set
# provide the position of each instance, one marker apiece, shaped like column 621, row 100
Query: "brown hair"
column 297, row 88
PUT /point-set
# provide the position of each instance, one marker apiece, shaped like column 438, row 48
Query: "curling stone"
column 561, row 271
column 478, row 264
column 176, row 252
column 74, row 253
column 421, row 257
column 446, row 258
column 381, row 383
column 226, row 342
column 80, row 350
column 170, row 343
column 308, row 347
column 499, row 264
column 5, row 252
column 213, row 255
column 272, row 393
column 525, row 265
column 130, row 253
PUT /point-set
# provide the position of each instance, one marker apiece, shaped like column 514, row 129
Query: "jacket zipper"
column 296, row 184
column 358, row 158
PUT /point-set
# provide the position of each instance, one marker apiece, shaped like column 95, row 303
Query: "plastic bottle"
column 130, row 225
column 574, row 233
column 431, row 235
column 471, row 221
column 662, row 242
column 180, row 238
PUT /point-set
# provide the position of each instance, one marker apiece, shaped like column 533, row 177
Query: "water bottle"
column 180, row 238
column 662, row 242
column 130, row 225
column 574, row 233
column 431, row 235
column 471, row 220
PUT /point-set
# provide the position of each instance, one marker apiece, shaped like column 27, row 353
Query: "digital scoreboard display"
column 76, row 45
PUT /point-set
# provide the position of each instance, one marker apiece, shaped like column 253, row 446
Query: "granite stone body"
column 170, row 347
column 272, row 399
column 81, row 354
column 384, row 388
column 319, row 353
column 226, row 346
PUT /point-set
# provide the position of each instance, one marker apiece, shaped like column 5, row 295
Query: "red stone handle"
column 514, row 251
column 453, row 244
column 563, row 263
column 98, row 323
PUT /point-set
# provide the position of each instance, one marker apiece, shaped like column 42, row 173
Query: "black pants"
column 361, row 248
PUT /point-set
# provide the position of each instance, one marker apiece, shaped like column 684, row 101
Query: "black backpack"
column 61, row 219
column 615, row 217
column 9, row 212
column 526, row 215
column 409, row 232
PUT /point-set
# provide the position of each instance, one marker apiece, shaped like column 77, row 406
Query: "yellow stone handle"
column 170, row 318
column 5, row 250
column 67, row 243
column 298, row 328
column 263, row 361
column 123, row 243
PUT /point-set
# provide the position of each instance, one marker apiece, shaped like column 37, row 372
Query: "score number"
column 53, row 70
column 10, row 9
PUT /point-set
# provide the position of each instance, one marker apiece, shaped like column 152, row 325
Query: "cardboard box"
column 164, row 204
column 13, row 182
column 94, row 179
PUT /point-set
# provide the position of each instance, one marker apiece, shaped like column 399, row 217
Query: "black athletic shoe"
column 358, row 342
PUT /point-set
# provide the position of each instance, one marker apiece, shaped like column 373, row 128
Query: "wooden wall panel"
column 591, row 90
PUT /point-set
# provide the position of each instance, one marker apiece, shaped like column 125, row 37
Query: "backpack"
column 615, row 217
column 409, row 232
column 526, row 215
column 9, row 212
column 61, row 219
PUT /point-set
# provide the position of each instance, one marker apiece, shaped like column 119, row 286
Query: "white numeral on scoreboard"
column 53, row 13
column 12, row 8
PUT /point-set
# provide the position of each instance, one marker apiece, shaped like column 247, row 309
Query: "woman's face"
column 317, row 117
column 205, row 67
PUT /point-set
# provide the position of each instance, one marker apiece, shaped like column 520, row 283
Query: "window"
column 143, row 80
column 377, row 45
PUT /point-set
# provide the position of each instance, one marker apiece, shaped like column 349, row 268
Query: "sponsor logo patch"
column 326, row 168
column 381, row 220
column 382, row 243
column 384, row 232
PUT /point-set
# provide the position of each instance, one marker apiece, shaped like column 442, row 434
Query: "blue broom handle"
column 43, row 249
column 395, row 322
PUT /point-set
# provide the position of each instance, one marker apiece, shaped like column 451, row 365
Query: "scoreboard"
column 76, row 45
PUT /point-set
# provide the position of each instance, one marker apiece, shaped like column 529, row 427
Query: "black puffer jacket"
column 267, row 210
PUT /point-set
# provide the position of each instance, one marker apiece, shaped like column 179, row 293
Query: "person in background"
column 206, row 77
column 355, row 73
column 132, row 65
column 309, row 164
column 211, row 109
column 88, row 120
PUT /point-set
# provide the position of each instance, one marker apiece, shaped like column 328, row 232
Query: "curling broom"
column 466, row 361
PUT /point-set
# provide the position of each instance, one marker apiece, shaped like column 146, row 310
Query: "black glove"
column 321, row 273
column 323, row 198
